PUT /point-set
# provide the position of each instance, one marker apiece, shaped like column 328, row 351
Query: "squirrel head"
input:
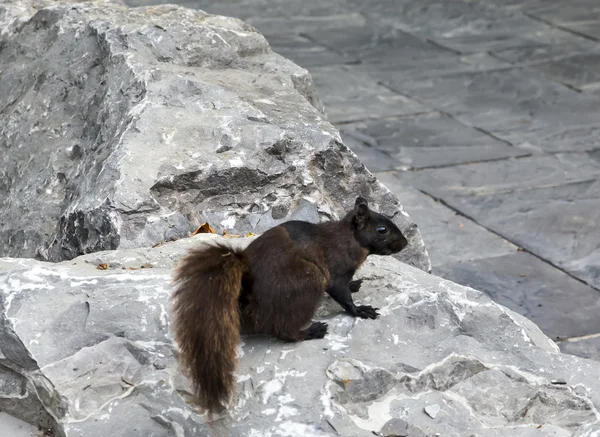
column 375, row 232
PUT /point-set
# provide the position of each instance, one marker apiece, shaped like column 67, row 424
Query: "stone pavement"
column 483, row 116
column 11, row 427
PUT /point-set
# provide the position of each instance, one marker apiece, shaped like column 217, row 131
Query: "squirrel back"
column 274, row 286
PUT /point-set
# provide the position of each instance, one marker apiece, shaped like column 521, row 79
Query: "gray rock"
column 432, row 410
column 166, row 118
column 400, row 428
column 94, row 349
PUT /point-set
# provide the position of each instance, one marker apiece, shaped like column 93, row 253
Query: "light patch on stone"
column 168, row 136
column 337, row 342
column 325, row 399
column 236, row 162
column 293, row 429
column 243, row 378
column 378, row 412
column 84, row 282
column 284, row 353
column 228, row 223
column 164, row 316
column 432, row 410
column 285, row 412
column 270, row 388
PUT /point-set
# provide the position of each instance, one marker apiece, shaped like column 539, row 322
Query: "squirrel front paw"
column 366, row 312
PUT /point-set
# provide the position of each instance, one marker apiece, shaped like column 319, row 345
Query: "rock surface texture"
column 127, row 127
column 489, row 106
column 88, row 353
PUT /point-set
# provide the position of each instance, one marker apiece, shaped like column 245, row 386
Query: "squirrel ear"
column 362, row 215
column 361, row 201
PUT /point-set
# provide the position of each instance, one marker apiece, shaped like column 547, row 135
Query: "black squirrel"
column 274, row 286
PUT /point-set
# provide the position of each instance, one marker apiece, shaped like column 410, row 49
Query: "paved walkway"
column 484, row 117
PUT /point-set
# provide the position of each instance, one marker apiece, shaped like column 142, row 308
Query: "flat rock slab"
column 451, row 238
column 470, row 26
column 582, row 347
column 12, row 427
column 507, row 104
column 506, row 176
column 430, row 140
column 549, row 51
column 374, row 159
column 561, row 306
column 376, row 42
column 580, row 16
column 174, row 118
column 579, row 71
column 548, row 205
column 436, row 342
column 350, row 95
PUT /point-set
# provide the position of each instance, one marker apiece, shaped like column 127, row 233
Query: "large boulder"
column 123, row 128
column 85, row 348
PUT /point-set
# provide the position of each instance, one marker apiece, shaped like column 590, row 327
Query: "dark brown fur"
column 274, row 286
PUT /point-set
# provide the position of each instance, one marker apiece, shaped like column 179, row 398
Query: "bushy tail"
column 206, row 321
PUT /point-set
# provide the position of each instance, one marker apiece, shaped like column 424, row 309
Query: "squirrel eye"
column 381, row 229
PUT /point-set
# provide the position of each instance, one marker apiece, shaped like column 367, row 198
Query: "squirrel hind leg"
column 315, row 331
column 355, row 285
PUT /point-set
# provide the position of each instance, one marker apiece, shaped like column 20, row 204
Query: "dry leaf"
column 250, row 234
column 102, row 266
column 146, row 266
column 204, row 228
column 462, row 225
column 132, row 268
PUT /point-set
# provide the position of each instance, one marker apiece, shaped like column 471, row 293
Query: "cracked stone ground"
column 483, row 116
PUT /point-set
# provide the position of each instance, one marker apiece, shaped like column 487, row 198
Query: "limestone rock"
column 88, row 351
column 122, row 128
column 432, row 410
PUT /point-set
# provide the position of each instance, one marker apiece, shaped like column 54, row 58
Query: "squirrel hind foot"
column 315, row 331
